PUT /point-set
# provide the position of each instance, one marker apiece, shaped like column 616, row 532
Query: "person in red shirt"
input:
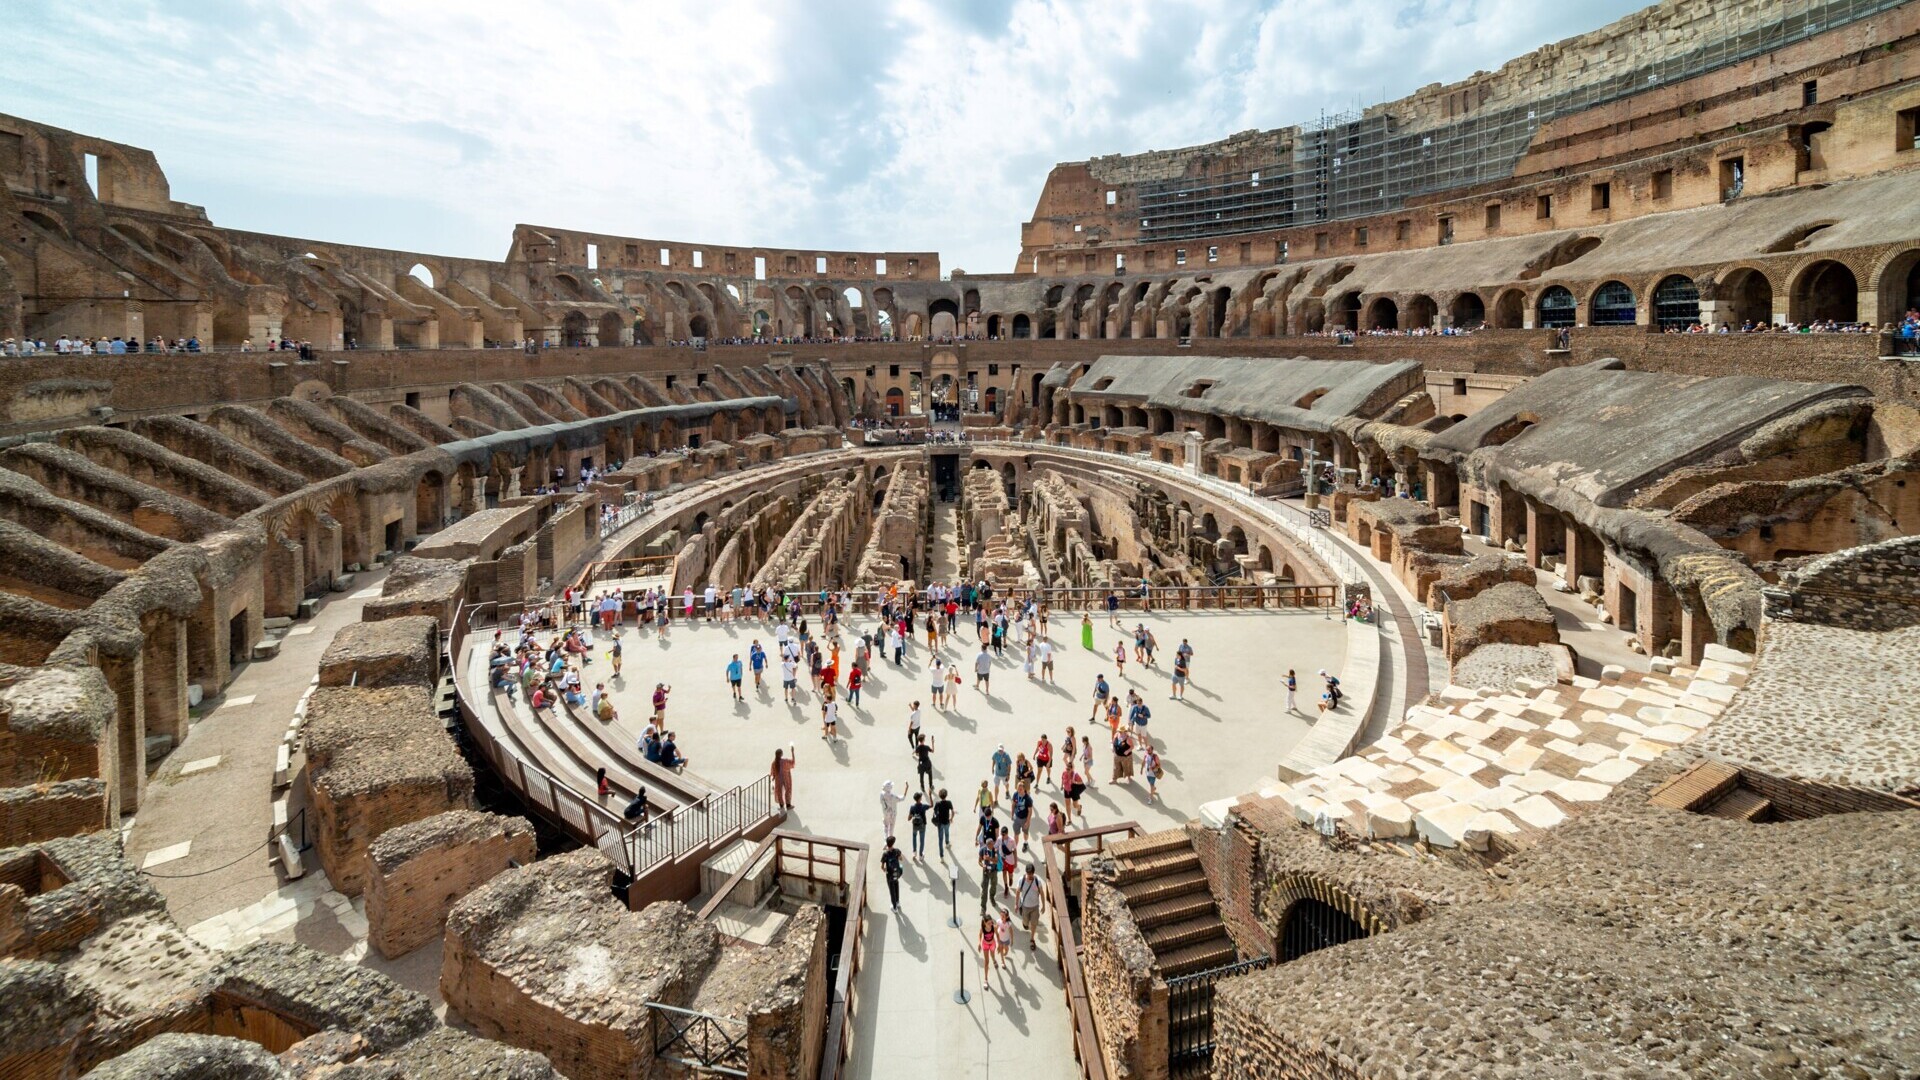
column 854, row 679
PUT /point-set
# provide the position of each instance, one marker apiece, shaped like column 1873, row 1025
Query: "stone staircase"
column 1166, row 889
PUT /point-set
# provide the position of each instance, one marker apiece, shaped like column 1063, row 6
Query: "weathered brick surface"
column 417, row 871
column 391, row 652
column 1128, row 999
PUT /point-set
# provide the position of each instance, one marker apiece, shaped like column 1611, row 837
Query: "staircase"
column 1160, row 876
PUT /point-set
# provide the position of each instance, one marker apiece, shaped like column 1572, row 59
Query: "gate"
column 703, row 1044
column 1190, row 1017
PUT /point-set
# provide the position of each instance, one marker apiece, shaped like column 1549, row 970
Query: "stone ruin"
column 993, row 543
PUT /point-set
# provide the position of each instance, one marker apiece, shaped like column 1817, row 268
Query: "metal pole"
column 953, row 894
column 960, row 996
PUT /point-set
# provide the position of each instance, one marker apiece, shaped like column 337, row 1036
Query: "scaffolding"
column 1352, row 165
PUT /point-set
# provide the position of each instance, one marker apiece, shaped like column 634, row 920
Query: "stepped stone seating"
column 1160, row 876
column 1482, row 767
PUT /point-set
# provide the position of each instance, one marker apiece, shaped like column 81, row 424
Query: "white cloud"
column 905, row 125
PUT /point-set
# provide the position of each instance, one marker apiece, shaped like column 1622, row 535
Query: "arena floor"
column 1224, row 740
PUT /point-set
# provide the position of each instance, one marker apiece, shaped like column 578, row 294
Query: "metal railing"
column 1190, row 1017
column 1226, row 597
column 1064, row 852
column 700, row 825
column 700, row 1041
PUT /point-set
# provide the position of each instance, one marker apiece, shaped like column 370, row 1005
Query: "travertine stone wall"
column 1509, row 614
column 899, row 531
column 1870, row 588
column 416, row 872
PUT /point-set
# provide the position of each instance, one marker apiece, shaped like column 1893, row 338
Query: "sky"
column 905, row 125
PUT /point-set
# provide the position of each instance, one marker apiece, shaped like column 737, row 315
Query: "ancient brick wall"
column 1251, row 1044
column 1870, row 588
column 1231, row 856
column 1129, row 1001
column 402, row 651
column 68, row 808
column 416, row 872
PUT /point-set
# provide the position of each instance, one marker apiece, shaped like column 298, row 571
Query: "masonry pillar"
column 1696, row 632
column 1584, row 556
column 130, row 733
column 163, row 668
column 285, row 578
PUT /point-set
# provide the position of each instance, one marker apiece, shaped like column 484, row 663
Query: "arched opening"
column 1346, row 311
column 1022, row 326
column 696, row 326
column 1676, row 302
column 990, row 399
column 1313, row 317
column 1510, row 311
column 1900, row 287
column 1311, row 925
column 1218, row 327
column 429, row 502
column 1826, row 291
column 1748, row 298
column 573, row 328
column 896, row 402
column 1557, row 307
column 1612, row 305
column 1420, row 313
column 610, row 326
column 421, row 274
column 1009, row 479
column 1383, row 314
column 993, row 326
column 1469, row 312
column 943, row 318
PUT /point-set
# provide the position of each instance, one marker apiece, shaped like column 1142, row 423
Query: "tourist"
column 1113, row 714
column 735, row 673
column 984, row 800
column 614, row 654
column 1333, row 689
column 660, row 692
column 1002, row 770
column 855, row 677
column 937, row 684
column 1086, row 760
column 790, row 680
column 1086, row 632
column 636, row 809
column 917, row 821
column 1293, row 685
column 1056, row 819
column 1185, row 652
column 1072, row 788
column 757, row 658
column 913, row 727
column 942, row 815
column 829, row 718
column 1022, row 770
column 782, row 773
column 1046, row 659
column 1120, row 659
column 988, row 858
column 1101, row 691
column 891, row 868
column 1137, row 718
column 923, row 758
column 983, row 672
column 1022, row 813
column 1113, row 609
column 1122, row 756
column 1178, row 690
column 989, row 946
column 890, row 801
column 670, row 753
column 1150, row 768
column 1029, row 898
column 602, row 787
column 1009, row 858
column 1043, row 758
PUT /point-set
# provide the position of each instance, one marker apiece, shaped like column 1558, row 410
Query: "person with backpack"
column 1150, row 768
column 1333, row 688
column 890, row 866
column 917, row 820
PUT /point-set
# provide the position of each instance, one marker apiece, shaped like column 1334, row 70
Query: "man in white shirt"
column 789, row 678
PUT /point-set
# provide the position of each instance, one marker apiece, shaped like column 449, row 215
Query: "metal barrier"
column 1063, row 852
column 710, row 1044
column 1190, row 1017
column 635, row 848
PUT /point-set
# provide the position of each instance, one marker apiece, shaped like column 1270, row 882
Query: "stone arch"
column 1382, row 314
column 1897, row 285
column 1345, row 313
column 1745, row 294
column 1467, row 311
column 1556, row 307
column 943, row 318
column 1676, row 302
column 1291, row 891
column 1313, row 316
column 1022, row 325
column 1421, row 312
column 1612, row 303
column 573, row 328
column 1822, row 290
column 1510, row 310
column 430, row 501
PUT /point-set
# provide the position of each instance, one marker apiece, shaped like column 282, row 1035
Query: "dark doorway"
column 946, row 476
column 238, row 650
column 1312, row 925
column 393, row 536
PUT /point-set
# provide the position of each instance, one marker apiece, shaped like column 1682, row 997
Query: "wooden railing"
column 1228, row 597
column 1064, row 852
column 843, row 865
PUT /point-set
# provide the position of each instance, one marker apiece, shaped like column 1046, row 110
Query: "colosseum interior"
column 1568, row 414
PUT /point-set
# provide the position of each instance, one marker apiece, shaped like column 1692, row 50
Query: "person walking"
column 913, row 728
column 1022, row 814
column 989, row 860
column 782, row 773
column 1122, row 756
column 1185, row 652
column 889, row 805
column 855, row 679
column 1178, row 691
column 983, row 672
column 1030, row 899
column 1293, row 685
column 1086, row 760
column 1086, row 632
column 1150, row 768
column 1101, row 691
column 735, row 672
column 1005, row 936
column 989, row 944
column 1002, row 770
column 984, row 800
column 1113, row 609
column 942, row 815
column 1043, row 758
column 1045, row 650
column 829, row 718
column 614, row 654
column 790, row 680
column 1120, row 659
column 1072, row 788
column 917, row 822
column 757, row 660
column 923, row 762
column 890, row 866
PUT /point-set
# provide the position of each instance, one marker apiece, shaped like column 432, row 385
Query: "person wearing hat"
column 1002, row 770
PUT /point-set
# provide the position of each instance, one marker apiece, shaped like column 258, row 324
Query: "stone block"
column 1612, row 673
column 1445, row 825
column 392, row 652
column 418, row 871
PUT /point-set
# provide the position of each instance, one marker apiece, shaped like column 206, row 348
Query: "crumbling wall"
column 376, row 758
column 417, row 871
column 1128, row 999
column 1507, row 614
column 401, row 651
